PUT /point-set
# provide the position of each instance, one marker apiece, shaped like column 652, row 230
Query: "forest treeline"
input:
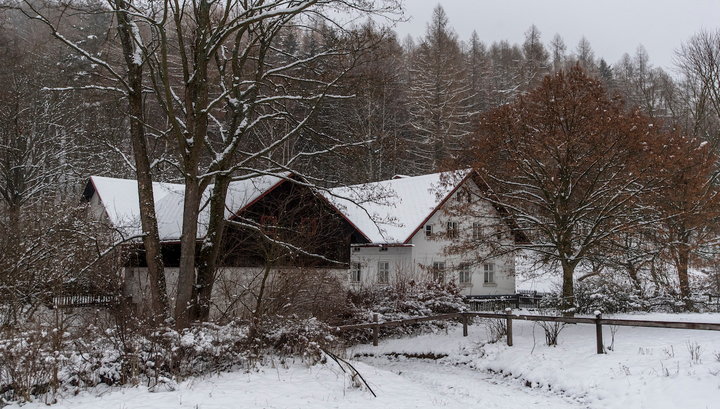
column 202, row 97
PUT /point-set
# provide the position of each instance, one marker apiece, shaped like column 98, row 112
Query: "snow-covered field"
column 648, row 368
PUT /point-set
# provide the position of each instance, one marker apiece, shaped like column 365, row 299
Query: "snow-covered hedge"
column 403, row 300
column 45, row 359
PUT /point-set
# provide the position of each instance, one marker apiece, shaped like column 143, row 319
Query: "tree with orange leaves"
column 569, row 163
column 687, row 203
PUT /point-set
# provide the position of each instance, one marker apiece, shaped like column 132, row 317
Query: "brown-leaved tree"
column 568, row 163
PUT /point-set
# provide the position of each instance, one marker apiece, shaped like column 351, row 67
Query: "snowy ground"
column 649, row 368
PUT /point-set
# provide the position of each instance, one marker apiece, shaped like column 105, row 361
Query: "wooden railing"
column 85, row 300
column 509, row 317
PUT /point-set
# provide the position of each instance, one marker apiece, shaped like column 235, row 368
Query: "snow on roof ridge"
column 392, row 211
column 119, row 197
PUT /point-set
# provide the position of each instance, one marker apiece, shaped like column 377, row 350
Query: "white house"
column 408, row 227
column 386, row 231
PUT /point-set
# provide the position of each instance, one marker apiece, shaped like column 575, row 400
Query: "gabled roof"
column 392, row 211
column 119, row 197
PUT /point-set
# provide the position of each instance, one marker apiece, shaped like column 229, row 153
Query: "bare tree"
column 217, row 75
column 440, row 108
column 698, row 60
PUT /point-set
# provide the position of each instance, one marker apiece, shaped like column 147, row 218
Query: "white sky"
column 613, row 27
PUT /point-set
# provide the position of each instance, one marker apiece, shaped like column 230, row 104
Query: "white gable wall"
column 418, row 259
column 401, row 265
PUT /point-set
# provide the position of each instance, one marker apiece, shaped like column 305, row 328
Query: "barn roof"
column 119, row 198
column 392, row 211
column 385, row 212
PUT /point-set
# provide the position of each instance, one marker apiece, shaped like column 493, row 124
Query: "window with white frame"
column 452, row 229
column 464, row 275
column 383, row 272
column 439, row 271
column 428, row 230
column 476, row 231
column 355, row 272
column 489, row 274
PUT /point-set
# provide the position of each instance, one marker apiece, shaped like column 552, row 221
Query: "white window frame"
column 476, row 231
column 464, row 274
column 439, row 271
column 452, row 229
column 489, row 275
column 428, row 230
column 355, row 272
column 383, row 275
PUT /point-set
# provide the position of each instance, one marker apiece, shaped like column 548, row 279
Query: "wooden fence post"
column 598, row 332
column 465, row 323
column 376, row 330
column 508, row 311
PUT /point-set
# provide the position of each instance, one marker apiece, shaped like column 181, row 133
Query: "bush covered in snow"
column 77, row 352
column 403, row 300
column 612, row 295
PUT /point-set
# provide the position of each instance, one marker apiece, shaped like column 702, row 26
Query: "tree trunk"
column 568, row 290
column 683, row 257
column 633, row 273
column 190, row 147
column 151, row 237
column 207, row 259
column 188, row 241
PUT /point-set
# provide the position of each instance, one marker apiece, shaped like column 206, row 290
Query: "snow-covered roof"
column 392, row 211
column 386, row 212
column 119, row 197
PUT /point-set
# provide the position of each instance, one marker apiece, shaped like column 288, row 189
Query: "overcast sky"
column 613, row 27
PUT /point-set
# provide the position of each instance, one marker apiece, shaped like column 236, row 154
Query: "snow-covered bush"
column 608, row 296
column 399, row 301
column 304, row 338
column 77, row 352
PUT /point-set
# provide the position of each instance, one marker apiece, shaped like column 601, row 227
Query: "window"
column 355, row 272
column 439, row 271
column 452, row 229
column 464, row 274
column 489, row 273
column 476, row 231
column 267, row 225
column 384, row 272
column 356, row 249
column 428, row 230
column 309, row 226
column 383, row 248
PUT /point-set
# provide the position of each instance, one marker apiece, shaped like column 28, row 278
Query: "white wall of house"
column 369, row 258
column 426, row 250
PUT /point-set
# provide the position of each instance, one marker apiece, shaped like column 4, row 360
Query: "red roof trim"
column 345, row 217
column 442, row 202
column 257, row 199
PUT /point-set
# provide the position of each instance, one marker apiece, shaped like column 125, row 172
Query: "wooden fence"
column 85, row 300
column 598, row 321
